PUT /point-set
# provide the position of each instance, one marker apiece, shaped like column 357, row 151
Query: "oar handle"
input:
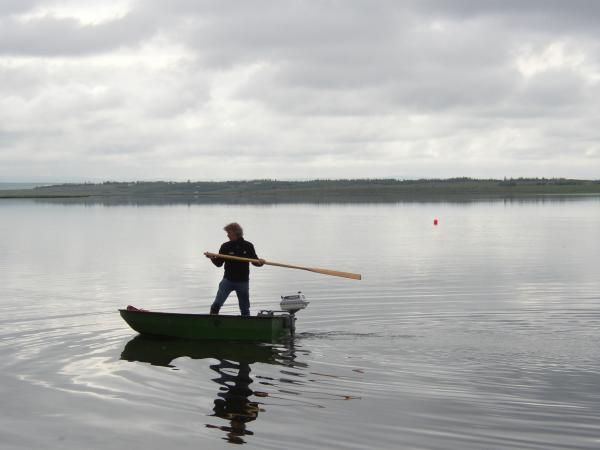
column 335, row 273
column 234, row 258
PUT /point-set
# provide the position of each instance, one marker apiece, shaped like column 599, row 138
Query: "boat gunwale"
column 214, row 316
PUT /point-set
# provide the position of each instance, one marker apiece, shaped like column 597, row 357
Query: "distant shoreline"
column 21, row 186
column 313, row 191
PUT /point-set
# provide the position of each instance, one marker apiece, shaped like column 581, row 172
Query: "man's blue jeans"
column 226, row 287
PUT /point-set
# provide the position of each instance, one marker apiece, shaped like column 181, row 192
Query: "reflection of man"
column 233, row 402
column 237, row 273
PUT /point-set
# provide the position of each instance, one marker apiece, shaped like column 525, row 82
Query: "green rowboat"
column 264, row 327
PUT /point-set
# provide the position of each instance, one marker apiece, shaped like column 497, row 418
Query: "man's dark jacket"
column 236, row 270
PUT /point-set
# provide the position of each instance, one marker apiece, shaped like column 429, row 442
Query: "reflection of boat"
column 237, row 402
column 205, row 326
column 160, row 351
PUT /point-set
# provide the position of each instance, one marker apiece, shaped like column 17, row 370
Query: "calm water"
column 481, row 332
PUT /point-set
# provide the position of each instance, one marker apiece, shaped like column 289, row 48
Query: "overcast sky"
column 213, row 90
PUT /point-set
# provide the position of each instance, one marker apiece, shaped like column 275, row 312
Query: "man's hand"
column 261, row 262
column 208, row 255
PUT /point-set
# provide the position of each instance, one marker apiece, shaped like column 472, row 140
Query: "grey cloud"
column 554, row 90
column 16, row 6
column 49, row 36
column 548, row 15
column 337, row 57
column 20, row 82
column 377, row 87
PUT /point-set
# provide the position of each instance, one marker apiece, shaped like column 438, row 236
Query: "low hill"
column 313, row 190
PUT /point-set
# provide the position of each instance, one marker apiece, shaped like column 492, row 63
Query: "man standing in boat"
column 237, row 273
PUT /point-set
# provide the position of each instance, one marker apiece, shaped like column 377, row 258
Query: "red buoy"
column 435, row 221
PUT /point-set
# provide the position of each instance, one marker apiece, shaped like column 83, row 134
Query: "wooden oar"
column 335, row 273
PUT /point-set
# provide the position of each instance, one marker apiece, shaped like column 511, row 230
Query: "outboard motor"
column 293, row 303
column 290, row 305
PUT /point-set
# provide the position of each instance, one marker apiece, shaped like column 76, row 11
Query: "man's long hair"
column 234, row 228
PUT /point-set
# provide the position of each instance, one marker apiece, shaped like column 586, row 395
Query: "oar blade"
column 336, row 273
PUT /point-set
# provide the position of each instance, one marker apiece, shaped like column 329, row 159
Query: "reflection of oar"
column 335, row 273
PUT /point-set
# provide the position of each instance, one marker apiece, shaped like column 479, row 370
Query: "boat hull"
column 206, row 326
